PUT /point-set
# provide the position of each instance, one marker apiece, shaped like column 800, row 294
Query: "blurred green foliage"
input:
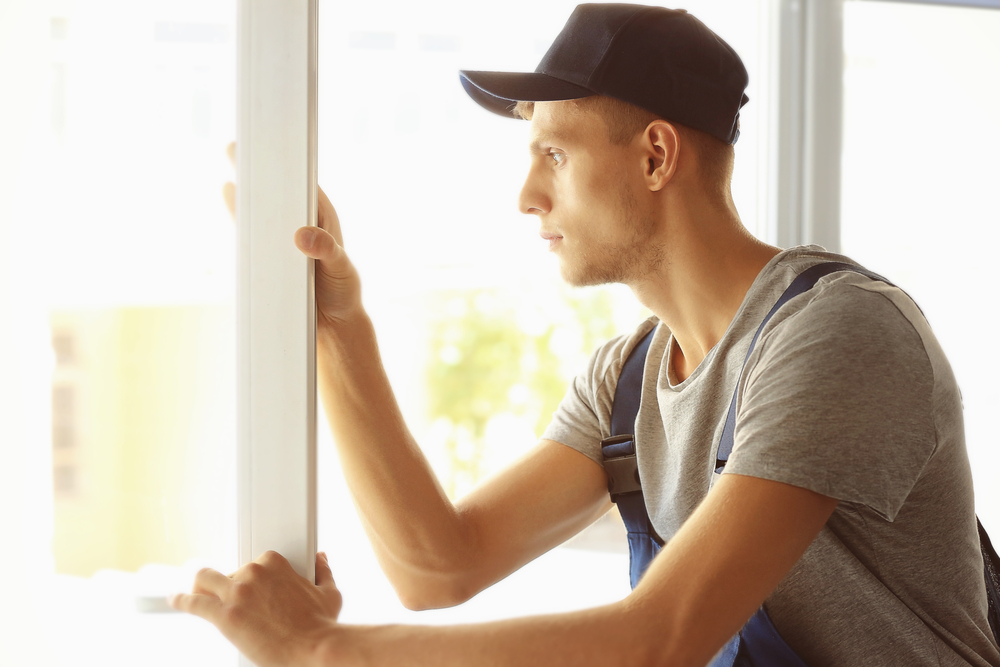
column 493, row 354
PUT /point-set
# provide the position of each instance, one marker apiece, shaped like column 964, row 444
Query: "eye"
column 558, row 158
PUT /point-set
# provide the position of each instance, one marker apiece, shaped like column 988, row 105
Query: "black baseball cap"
column 663, row 60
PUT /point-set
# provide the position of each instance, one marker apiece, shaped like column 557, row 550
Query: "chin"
column 587, row 276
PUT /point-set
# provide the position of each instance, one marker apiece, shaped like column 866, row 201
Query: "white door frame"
column 276, row 194
column 804, row 193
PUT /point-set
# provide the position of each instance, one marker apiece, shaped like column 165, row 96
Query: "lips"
column 551, row 237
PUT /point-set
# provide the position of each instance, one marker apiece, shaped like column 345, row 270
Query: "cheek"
column 591, row 190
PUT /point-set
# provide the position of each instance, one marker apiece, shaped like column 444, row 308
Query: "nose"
column 533, row 198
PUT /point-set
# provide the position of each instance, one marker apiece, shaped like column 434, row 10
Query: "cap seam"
column 602, row 63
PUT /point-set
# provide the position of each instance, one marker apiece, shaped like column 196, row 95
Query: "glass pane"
column 920, row 175
column 119, row 352
column 479, row 335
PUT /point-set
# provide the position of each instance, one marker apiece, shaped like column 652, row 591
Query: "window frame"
column 807, row 125
column 276, row 364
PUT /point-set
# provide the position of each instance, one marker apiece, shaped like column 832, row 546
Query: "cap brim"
column 499, row 92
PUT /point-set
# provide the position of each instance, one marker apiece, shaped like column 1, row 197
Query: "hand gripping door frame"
column 276, row 365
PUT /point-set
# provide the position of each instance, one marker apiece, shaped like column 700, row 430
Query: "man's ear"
column 662, row 147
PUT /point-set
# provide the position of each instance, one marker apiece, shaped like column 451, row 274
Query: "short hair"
column 624, row 121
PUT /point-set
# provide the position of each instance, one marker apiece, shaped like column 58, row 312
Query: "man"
column 846, row 505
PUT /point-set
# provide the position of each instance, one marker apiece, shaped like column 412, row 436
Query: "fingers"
column 212, row 582
column 204, row 606
column 229, row 189
column 326, row 213
column 229, row 195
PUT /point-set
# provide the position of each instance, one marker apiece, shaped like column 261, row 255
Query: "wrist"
column 337, row 647
column 333, row 333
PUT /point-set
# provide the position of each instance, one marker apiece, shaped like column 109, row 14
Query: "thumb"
column 317, row 243
column 324, row 575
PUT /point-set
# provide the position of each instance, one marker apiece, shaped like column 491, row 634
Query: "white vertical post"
column 823, row 109
column 785, row 193
column 805, row 200
column 276, row 186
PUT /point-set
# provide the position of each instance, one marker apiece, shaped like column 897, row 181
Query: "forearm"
column 708, row 580
column 607, row 636
column 420, row 539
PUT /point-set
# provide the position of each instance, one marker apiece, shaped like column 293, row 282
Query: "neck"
column 696, row 291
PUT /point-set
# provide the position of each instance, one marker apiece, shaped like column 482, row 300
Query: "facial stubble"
column 636, row 255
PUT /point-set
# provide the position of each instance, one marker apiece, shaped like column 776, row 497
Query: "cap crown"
column 663, row 60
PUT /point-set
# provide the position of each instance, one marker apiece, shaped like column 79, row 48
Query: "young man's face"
column 589, row 197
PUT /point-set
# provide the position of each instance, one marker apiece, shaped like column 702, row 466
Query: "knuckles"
column 271, row 558
column 234, row 614
column 239, row 594
column 253, row 571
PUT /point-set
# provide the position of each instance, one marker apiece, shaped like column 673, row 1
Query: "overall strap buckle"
column 621, row 465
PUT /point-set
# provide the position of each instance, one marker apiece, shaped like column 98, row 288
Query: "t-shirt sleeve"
column 577, row 422
column 838, row 399
column 583, row 418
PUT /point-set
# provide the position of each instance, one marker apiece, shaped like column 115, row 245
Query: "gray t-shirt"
column 848, row 394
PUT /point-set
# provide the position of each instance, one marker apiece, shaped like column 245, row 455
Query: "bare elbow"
column 424, row 602
column 428, row 594
column 437, row 577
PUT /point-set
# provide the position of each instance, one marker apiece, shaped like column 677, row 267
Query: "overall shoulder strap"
column 620, row 463
column 618, row 450
column 802, row 283
column 628, row 392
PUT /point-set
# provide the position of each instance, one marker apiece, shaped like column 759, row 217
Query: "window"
column 117, row 401
column 120, row 404
column 477, row 331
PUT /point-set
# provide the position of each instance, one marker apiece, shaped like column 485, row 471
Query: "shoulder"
column 849, row 313
column 583, row 417
column 607, row 360
column 843, row 306
column 595, row 386
column 838, row 395
column 850, row 350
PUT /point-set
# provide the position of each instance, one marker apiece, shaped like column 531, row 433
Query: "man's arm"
column 704, row 585
column 707, row 581
column 434, row 553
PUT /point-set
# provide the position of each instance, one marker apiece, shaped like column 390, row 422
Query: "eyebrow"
column 537, row 146
column 542, row 144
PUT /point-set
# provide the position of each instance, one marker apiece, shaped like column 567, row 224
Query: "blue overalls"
column 758, row 643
